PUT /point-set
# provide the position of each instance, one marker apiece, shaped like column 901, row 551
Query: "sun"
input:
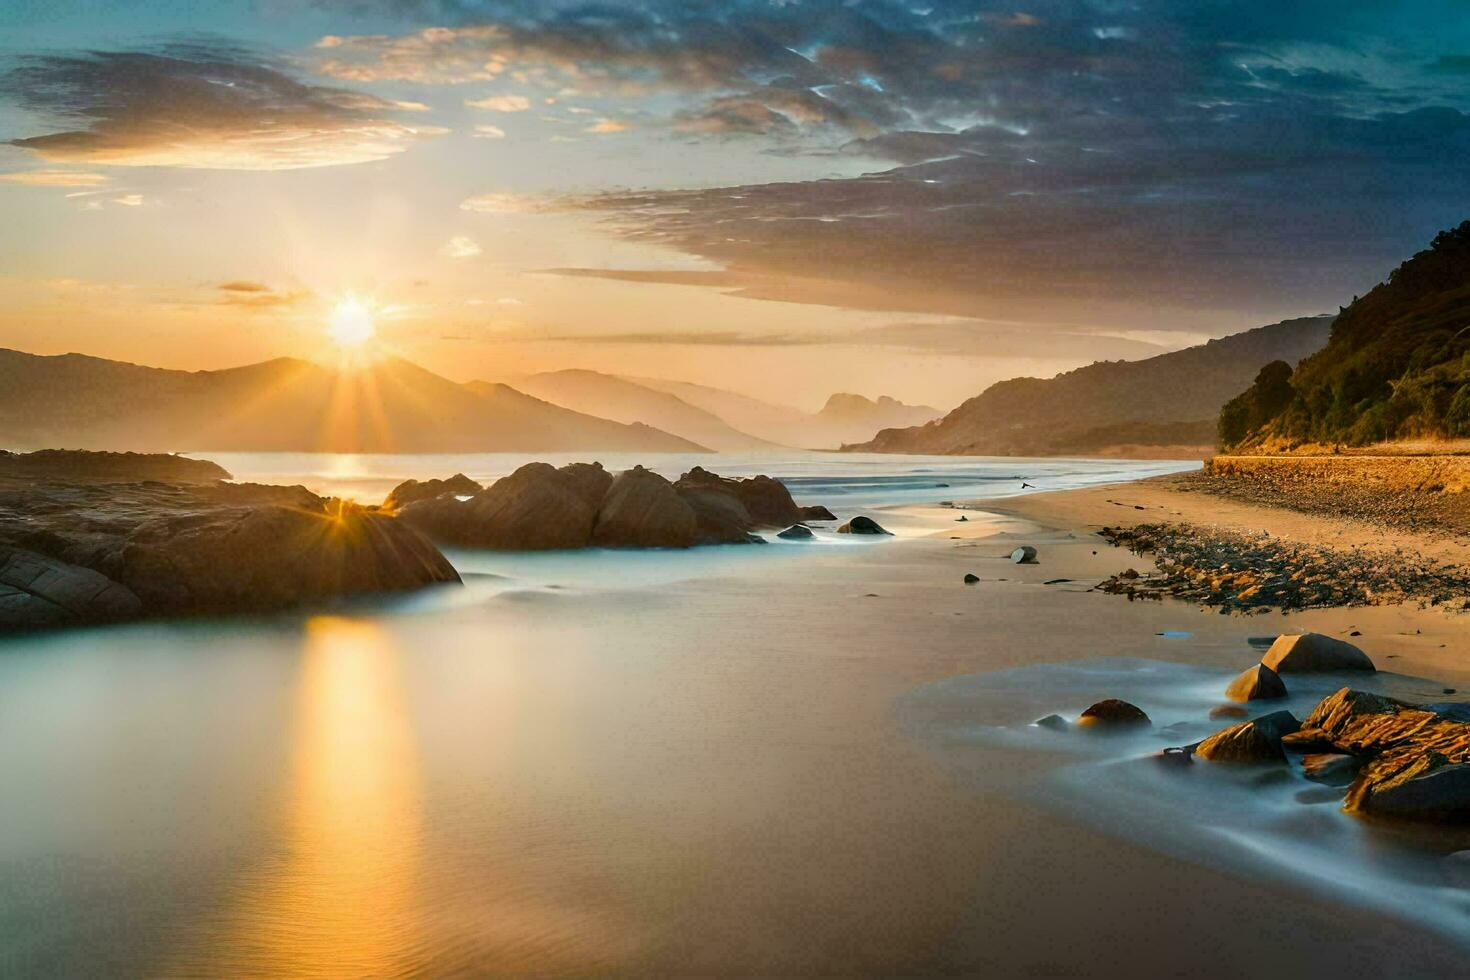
column 351, row 323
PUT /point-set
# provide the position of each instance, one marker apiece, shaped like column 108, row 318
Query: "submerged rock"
column 1256, row 684
column 1053, row 722
column 1330, row 768
column 1228, row 711
column 862, row 525
column 411, row 490
column 796, row 532
column 1113, row 713
column 1312, row 652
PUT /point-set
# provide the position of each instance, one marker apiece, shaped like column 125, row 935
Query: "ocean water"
column 581, row 763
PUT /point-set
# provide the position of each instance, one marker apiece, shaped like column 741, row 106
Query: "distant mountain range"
column 1164, row 403
column 719, row 419
column 79, row 402
column 1397, row 366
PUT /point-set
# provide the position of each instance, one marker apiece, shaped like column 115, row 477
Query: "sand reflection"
column 341, row 898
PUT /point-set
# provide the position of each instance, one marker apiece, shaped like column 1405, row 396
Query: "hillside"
column 611, row 397
column 844, row 418
column 79, row 402
column 1397, row 365
column 1171, row 399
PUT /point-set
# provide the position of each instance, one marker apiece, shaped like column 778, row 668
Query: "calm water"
column 579, row 763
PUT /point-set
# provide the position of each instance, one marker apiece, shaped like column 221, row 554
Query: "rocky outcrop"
column 719, row 515
column 37, row 591
column 816, row 512
column 796, row 532
column 81, row 466
column 862, row 525
column 643, row 510
column 764, row 498
column 1415, row 762
column 1113, row 713
column 588, row 481
column 1313, row 652
column 536, row 508
column 1256, row 684
column 95, row 552
column 410, row 491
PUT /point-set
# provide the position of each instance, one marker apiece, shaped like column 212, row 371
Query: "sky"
column 781, row 197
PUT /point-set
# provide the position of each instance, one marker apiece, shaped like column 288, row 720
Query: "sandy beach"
column 726, row 773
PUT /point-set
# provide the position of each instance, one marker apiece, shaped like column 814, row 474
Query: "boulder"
column 862, row 525
column 1024, row 555
column 817, row 513
column 1113, row 713
column 1331, row 768
column 796, row 532
column 1416, row 762
column 643, row 510
column 971, row 578
column 588, row 481
column 536, row 508
column 1257, row 683
column 37, row 591
column 1313, row 652
column 1257, row 741
column 765, row 498
column 411, row 490
column 719, row 515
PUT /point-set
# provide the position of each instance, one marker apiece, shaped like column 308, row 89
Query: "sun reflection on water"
column 341, row 898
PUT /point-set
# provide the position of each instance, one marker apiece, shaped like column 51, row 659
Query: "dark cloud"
column 205, row 105
column 243, row 286
column 258, row 295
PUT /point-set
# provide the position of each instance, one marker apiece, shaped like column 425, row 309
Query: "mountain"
column 1397, row 365
column 81, row 402
column 852, row 418
column 612, row 397
column 1166, row 401
column 845, row 418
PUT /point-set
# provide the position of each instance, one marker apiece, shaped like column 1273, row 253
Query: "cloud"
column 55, row 178
column 199, row 106
column 252, row 295
column 485, row 131
column 609, row 126
column 460, row 247
column 500, row 103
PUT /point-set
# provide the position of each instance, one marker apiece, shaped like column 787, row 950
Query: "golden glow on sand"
column 351, row 323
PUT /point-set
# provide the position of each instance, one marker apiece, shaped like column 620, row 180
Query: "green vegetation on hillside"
column 1397, row 365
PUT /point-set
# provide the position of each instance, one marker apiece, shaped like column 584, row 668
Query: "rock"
column 74, row 466
column 411, row 490
column 971, row 578
column 1457, row 866
column 1024, row 555
column 1250, row 742
column 1312, row 652
column 37, row 591
column 1416, row 763
column 536, row 508
column 1257, row 683
column 817, row 513
column 588, row 481
column 1176, row 756
column 1330, row 768
column 796, row 532
column 765, row 498
column 1054, row 722
column 961, row 519
column 643, row 510
column 1228, row 711
column 1113, row 714
column 720, row 517
column 862, row 525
